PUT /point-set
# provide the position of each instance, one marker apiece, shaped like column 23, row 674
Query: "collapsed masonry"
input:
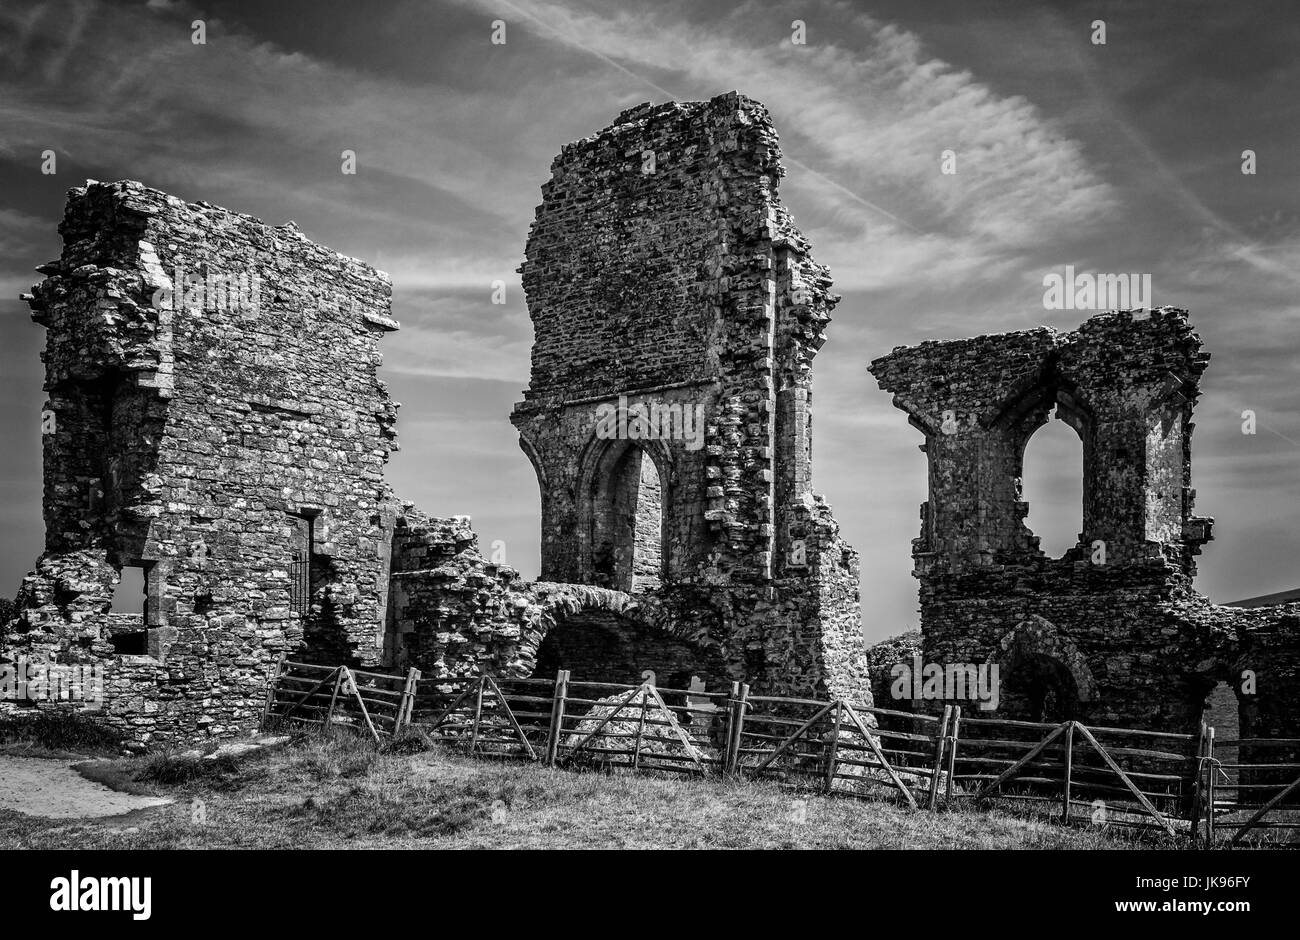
column 677, row 311
column 215, row 418
column 1113, row 632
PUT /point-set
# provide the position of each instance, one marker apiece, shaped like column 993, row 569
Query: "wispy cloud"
column 865, row 112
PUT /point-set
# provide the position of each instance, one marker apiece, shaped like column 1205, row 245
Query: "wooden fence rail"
column 1259, row 792
column 307, row 693
column 1159, row 781
column 1140, row 786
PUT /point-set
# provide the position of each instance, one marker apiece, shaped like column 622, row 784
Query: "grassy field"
column 341, row 791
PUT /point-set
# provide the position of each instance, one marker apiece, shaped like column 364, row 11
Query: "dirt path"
column 38, row 786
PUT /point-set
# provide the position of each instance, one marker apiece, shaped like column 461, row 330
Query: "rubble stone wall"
column 662, row 272
column 214, row 417
column 1113, row 632
column 454, row 613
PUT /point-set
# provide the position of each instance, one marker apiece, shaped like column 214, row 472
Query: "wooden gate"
column 807, row 743
column 475, row 713
column 1256, row 793
column 1052, row 768
column 305, row 693
column 635, row 727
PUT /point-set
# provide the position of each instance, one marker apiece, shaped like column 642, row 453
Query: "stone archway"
column 622, row 499
column 601, row 635
column 599, row 646
column 1042, row 676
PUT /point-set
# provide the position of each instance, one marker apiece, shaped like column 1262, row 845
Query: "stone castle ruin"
column 216, row 421
column 233, row 451
column 664, row 278
column 1113, row 632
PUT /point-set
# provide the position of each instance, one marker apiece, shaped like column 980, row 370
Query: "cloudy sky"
column 1122, row 157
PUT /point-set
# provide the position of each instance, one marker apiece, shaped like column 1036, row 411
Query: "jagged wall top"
column 645, row 241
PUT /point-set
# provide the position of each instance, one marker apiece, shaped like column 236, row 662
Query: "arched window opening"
column 1039, row 688
column 1052, row 484
column 627, row 541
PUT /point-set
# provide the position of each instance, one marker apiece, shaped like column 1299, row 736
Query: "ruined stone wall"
column 1259, row 660
column 215, row 417
column 455, row 613
column 451, row 611
column 1112, row 632
column 663, row 271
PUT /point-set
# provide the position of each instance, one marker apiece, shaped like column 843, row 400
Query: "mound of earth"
column 662, row 734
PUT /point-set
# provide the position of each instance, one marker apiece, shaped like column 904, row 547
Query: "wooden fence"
column 1149, row 780
column 306, row 693
column 1257, row 791
column 485, row 715
column 1125, row 778
column 643, row 727
column 805, row 743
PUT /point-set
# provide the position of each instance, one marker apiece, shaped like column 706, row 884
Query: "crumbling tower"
column 215, row 419
column 1112, row 632
column 664, row 276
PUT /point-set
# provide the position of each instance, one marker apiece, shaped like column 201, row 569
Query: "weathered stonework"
column 229, row 438
column 454, row 613
column 216, row 419
column 664, row 274
column 1113, row 632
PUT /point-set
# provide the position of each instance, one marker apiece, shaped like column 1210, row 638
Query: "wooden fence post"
column 640, row 730
column 738, row 727
column 954, row 736
column 1069, row 770
column 273, row 687
column 1209, row 789
column 727, row 767
column 938, row 756
column 478, row 714
column 406, row 703
column 338, row 686
column 1198, row 791
column 416, row 676
column 833, row 751
column 557, row 716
